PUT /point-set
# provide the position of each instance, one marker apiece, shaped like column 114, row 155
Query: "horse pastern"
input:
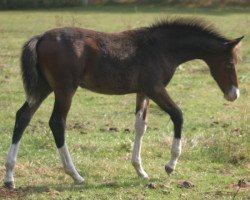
column 144, row 175
column 79, row 181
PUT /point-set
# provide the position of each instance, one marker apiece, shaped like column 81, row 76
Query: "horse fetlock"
column 9, row 178
column 77, row 178
column 175, row 153
column 139, row 170
column 170, row 166
column 136, row 163
column 68, row 169
column 141, row 173
column 75, row 175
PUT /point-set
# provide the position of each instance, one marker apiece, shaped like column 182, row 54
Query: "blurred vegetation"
column 14, row 4
column 39, row 3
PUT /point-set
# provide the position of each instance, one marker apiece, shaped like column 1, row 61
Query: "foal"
column 140, row 61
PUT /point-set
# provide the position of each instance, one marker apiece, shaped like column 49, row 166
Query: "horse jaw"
column 232, row 94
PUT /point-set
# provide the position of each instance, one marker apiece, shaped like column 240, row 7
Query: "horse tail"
column 33, row 81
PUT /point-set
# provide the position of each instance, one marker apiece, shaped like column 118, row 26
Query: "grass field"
column 100, row 129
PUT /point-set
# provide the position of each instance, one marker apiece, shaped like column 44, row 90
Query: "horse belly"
column 109, row 82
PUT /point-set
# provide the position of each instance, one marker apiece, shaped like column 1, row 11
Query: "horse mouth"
column 232, row 94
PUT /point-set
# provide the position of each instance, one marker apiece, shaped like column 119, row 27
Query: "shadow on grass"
column 67, row 187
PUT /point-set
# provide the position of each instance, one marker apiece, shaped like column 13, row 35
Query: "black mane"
column 183, row 25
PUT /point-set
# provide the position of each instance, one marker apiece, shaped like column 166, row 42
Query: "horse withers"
column 140, row 61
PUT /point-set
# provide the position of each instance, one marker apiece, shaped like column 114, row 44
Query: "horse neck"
column 185, row 48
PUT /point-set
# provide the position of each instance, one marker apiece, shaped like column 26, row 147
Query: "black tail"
column 34, row 83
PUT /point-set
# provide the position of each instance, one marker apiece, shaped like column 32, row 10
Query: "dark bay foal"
column 140, row 61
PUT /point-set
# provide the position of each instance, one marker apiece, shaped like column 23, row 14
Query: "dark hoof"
column 9, row 185
column 168, row 169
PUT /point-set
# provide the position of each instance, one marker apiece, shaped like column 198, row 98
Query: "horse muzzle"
column 232, row 94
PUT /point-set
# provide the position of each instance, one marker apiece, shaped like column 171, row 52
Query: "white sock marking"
column 10, row 163
column 175, row 153
column 68, row 164
column 140, row 128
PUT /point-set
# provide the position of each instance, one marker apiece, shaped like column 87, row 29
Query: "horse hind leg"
column 140, row 128
column 23, row 117
column 57, row 124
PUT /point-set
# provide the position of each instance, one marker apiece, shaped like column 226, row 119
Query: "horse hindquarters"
column 37, row 89
column 59, row 66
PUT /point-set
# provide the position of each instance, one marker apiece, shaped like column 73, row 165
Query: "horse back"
column 102, row 62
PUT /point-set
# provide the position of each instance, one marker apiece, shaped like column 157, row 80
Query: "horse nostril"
column 232, row 94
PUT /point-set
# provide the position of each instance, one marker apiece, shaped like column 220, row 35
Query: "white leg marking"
column 68, row 164
column 140, row 128
column 175, row 153
column 9, row 165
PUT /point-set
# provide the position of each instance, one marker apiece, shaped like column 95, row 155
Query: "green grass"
column 216, row 136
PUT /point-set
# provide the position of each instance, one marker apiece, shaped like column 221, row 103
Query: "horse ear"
column 233, row 43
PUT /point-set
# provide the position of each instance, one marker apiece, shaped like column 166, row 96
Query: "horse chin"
column 232, row 94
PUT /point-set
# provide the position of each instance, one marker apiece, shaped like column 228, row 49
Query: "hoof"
column 79, row 181
column 144, row 176
column 9, row 185
column 168, row 169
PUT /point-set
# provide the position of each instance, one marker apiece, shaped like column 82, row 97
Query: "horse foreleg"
column 57, row 125
column 160, row 96
column 140, row 128
column 175, row 153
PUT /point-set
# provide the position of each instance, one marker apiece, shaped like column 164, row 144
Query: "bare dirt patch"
column 151, row 185
column 242, row 185
column 6, row 193
column 185, row 184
